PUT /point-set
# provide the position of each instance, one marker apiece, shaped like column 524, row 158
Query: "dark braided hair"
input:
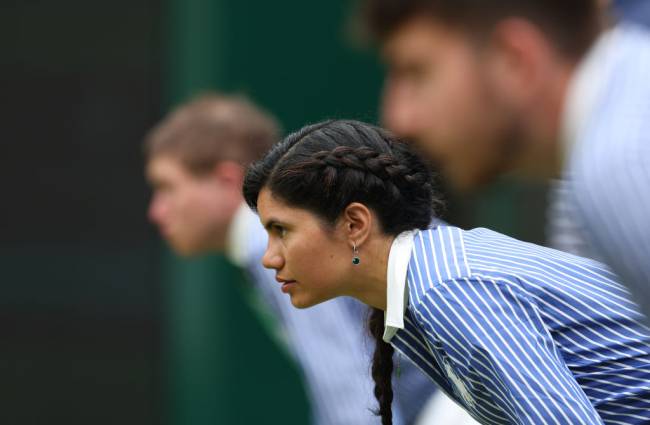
column 323, row 168
column 382, row 367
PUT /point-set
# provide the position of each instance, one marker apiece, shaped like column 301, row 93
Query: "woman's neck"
column 368, row 283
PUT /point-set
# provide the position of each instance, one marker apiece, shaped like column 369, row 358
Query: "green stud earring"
column 355, row 255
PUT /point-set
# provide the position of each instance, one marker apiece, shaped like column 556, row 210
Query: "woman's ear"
column 357, row 221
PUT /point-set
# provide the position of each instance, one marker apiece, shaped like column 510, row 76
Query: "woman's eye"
column 280, row 231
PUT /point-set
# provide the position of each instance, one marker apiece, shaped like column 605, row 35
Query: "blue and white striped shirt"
column 607, row 136
column 328, row 341
column 518, row 333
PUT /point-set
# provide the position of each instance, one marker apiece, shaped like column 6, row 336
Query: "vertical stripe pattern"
column 609, row 170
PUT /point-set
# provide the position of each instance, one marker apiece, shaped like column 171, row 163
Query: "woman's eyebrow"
column 271, row 222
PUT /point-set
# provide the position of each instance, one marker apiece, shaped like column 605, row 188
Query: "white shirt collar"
column 396, row 289
column 585, row 87
column 237, row 235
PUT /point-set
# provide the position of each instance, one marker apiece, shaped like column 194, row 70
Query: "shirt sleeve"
column 502, row 353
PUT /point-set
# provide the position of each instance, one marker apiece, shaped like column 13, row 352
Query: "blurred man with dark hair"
column 540, row 87
column 195, row 163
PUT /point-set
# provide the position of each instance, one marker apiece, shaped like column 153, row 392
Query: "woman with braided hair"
column 513, row 332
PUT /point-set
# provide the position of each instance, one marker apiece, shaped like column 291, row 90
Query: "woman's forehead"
column 271, row 207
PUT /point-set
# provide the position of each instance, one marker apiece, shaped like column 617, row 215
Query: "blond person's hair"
column 213, row 128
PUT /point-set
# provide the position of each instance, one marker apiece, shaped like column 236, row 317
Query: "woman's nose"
column 272, row 260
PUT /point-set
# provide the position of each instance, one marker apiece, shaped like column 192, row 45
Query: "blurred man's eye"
column 408, row 73
column 162, row 187
column 416, row 72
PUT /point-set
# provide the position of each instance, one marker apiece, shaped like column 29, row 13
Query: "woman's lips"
column 287, row 285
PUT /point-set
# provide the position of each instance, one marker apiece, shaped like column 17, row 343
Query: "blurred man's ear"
column 521, row 60
column 229, row 173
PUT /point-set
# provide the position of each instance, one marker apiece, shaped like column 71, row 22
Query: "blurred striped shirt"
column 328, row 341
column 606, row 194
column 563, row 231
column 518, row 333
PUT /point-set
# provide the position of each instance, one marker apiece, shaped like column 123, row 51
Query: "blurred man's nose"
column 156, row 210
column 398, row 113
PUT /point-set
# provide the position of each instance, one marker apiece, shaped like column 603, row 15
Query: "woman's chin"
column 301, row 301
